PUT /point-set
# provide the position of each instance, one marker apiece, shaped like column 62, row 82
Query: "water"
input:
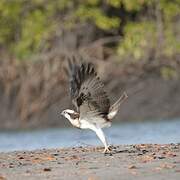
column 124, row 133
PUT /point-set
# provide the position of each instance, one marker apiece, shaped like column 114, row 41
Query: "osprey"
column 91, row 101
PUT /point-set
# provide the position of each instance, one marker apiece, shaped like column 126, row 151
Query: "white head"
column 72, row 116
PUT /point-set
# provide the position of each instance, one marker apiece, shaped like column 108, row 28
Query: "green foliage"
column 9, row 19
column 151, row 32
column 168, row 73
column 171, row 41
column 114, row 3
column 139, row 37
column 34, row 31
column 134, row 5
column 97, row 16
column 170, row 9
column 26, row 27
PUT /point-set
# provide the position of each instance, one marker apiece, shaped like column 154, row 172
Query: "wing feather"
column 87, row 91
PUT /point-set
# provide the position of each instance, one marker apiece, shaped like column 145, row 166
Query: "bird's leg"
column 107, row 150
column 102, row 137
column 99, row 133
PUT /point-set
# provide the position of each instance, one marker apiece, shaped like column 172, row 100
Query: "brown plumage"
column 87, row 92
column 93, row 105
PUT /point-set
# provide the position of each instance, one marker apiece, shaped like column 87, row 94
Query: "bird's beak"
column 62, row 113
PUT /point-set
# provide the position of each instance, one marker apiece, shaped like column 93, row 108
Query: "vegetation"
column 145, row 26
column 138, row 37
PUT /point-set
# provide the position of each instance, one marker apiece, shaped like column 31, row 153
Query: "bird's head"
column 72, row 116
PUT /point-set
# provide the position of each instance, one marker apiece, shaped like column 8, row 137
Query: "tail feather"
column 115, row 107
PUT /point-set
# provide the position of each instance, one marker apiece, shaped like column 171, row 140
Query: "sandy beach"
column 143, row 161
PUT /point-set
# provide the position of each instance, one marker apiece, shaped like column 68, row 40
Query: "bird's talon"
column 107, row 150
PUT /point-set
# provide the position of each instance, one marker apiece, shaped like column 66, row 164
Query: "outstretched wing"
column 87, row 92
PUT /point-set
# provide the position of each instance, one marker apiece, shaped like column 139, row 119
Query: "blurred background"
column 135, row 46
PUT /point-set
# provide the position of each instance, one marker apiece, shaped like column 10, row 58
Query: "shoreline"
column 142, row 161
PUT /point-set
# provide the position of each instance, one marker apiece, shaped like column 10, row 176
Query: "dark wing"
column 87, row 91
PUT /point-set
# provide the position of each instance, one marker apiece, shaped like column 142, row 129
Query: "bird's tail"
column 115, row 107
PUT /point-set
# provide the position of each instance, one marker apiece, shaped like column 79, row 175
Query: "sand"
column 126, row 162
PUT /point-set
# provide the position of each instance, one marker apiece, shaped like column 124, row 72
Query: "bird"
column 93, row 109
